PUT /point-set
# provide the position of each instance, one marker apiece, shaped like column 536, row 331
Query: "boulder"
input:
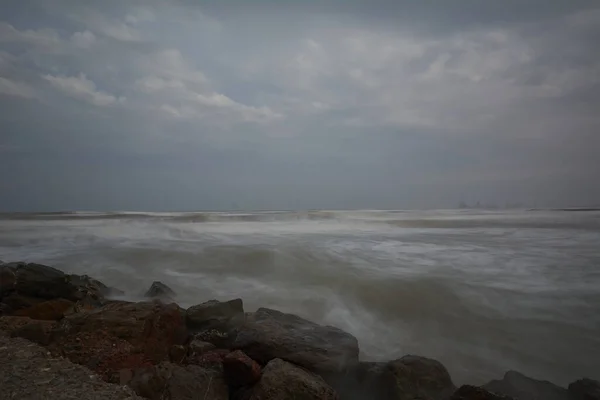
column 409, row 377
column 43, row 282
column 159, row 290
column 177, row 353
column 11, row 323
column 468, row 392
column 212, row 360
column 519, row 386
column 8, row 279
column 269, row 334
column 15, row 301
column 284, row 381
column 35, row 331
column 198, row 347
column 51, row 310
column 215, row 314
column 170, row 381
column 150, row 328
column 585, row 389
column 240, row 370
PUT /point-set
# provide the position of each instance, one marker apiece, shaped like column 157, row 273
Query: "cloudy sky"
column 269, row 104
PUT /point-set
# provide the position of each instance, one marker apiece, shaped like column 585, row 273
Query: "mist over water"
column 483, row 292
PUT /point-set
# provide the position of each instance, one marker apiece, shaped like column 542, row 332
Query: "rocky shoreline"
column 215, row 350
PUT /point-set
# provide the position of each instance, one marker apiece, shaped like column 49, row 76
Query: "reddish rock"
column 240, row 370
column 212, row 359
column 51, row 310
column 35, row 331
column 16, row 301
column 10, row 323
column 150, row 328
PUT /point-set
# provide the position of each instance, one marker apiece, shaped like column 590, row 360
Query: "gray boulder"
column 214, row 314
column 521, row 387
column 269, row 334
column 215, row 321
column 284, row 381
column 410, row 377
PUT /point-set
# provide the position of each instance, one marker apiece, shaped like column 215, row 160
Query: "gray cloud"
column 302, row 105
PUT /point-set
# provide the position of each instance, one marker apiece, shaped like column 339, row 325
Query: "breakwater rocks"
column 215, row 350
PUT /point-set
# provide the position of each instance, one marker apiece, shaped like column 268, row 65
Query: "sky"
column 214, row 105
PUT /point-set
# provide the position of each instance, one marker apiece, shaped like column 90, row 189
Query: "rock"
column 284, row 381
column 170, row 381
column 11, row 323
column 468, row 392
column 585, row 389
column 519, row 386
column 51, row 310
column 269, row 334
column 44, row 282
column 212, row 360
column 215, row 314
column 159, row 290
column 421, row 377
column 151, row 328
column 8, row 279
column 240, row 370
column 36, row 331
column 177, row 353
column 15, row 301
column 198, row 347
column 28, row 372
column 409, row 377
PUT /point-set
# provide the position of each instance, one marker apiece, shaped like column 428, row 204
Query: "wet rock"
column 519, row 386
column 8, row 279
column 170, row 381
column 159, row 290
column 15, row 301
column 269, row 334
column 177, row 353
column 212, row 360
column 27, row 371
column 51, row 310
column 585, row 389
column 215, row 314
column 198, row 347
column 119, row 335
column 36, row 331
column 30, row 280
column 11, row 323
column 409, row 377
column 284, row 381
column 468, row 392
column 240, row 370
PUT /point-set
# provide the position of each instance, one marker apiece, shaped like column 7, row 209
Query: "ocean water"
column 483, row 292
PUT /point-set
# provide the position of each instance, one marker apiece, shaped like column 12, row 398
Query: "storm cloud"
column 161, row 105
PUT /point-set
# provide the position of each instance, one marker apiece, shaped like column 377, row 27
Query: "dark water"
column 483, row 292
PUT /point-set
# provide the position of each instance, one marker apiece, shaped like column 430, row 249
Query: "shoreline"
column 161, row 350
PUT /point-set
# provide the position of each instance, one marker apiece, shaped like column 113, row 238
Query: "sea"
column 481, row 291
